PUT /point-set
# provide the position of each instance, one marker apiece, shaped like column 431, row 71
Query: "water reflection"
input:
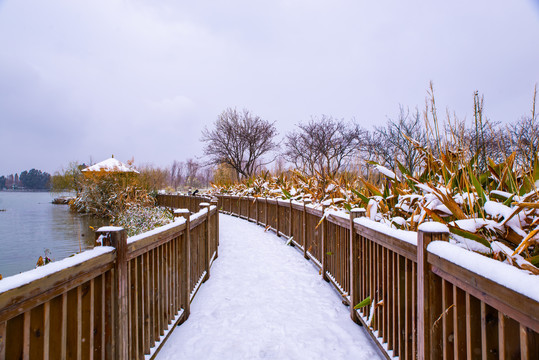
column 30, row 226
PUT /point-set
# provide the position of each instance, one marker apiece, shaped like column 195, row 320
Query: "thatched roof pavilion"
column 109, row 166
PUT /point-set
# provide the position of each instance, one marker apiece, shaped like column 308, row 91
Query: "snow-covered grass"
column 479, row 207
column 265, row 301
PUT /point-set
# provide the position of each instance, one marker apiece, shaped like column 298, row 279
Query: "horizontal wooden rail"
column 417, row 305
column 118, row 301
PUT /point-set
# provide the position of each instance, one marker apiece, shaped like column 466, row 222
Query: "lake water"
column 30, row 226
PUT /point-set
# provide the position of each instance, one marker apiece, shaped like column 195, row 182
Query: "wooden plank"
column 523, row 337
column 73, row 322
column 448, row 306
column 173, row 278
column 513, row 304
column 46, row 330
column 305, row 239
column 157, row 295
column 508, row 342
column 133, row 307
column 364, row 278
column 36, row 344
column 26, row 336
column 371, row 262
column 355, row 275
column 207, row 234
column 14, row 337
column 166, row 287
column 56, row 333
column 384, row 296
column 396, row 330
column 110, row 326
column 87, row 319
column 324, row 256
column 408, row 309
column 79, row 322
column 414, row 310
column 121, row 284
column 152, row 296
column 532, row 347
column 459, row 326
column 429, row 300
column 473, row 327
column 401, row 326
column 99, row 318
column 146, row 275
column 257, row 211
column 161, row 316
column 489, row 332
column 378, row 289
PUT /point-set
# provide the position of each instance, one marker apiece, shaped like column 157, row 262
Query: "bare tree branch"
column 323, row 145
column 240, row 140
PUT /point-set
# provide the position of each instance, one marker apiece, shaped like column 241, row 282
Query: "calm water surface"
column 31, row 226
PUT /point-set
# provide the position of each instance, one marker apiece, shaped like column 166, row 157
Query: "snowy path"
column 264, row 301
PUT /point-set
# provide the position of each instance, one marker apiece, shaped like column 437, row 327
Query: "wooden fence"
column 422, row 305
column 118, row 301
column 182, row 201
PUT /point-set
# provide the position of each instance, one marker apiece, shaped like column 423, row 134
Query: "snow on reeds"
column 495, row 212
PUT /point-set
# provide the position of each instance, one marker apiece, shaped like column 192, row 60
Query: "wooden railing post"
column 291, row 221
column 266, row 213
column 354, row 264
column 257, row 211
column 324, row 245
column 117, row 238
column 216, row 229
column 429, row 295
column 185, row 275
column 278, row 222
column 304, row 228
column 207, row 256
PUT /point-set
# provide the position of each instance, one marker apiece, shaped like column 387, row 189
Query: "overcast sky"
column 82, row 80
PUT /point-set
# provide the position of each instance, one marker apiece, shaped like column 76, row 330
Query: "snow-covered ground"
column 265, row 301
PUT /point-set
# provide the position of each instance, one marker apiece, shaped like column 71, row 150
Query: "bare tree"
column 323, row 145
column 391, row 142
column 239, row 139
column 177, row 170
column 191, row 173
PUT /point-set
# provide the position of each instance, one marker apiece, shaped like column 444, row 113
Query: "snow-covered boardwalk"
column 265, row 301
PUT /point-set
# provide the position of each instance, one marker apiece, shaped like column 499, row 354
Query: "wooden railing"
column 182, row 201
column 117, row 301
column 422, row 305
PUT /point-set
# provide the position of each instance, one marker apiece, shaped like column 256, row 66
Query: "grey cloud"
column 142, row 78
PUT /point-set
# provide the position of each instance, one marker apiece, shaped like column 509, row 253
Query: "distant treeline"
column 31, row 180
